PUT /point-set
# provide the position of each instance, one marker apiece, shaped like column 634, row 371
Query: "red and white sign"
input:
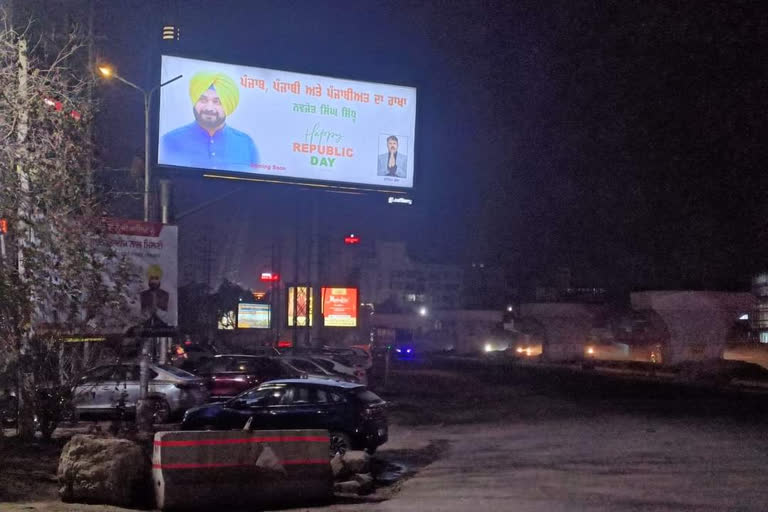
column 269, row 277
column 340, row 307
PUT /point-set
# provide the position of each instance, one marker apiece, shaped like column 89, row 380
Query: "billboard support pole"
column 143, row 407
column 296, row 278
column 309, row 244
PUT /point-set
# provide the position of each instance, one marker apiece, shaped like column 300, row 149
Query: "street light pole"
column 110, row 73
column 143, row 409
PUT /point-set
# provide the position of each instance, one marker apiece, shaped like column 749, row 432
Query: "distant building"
column 390, row 278
column 487, row 287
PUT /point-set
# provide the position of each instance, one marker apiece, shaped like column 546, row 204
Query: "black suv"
column 355, row 416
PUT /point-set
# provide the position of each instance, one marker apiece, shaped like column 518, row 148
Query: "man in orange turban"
column 208, row 142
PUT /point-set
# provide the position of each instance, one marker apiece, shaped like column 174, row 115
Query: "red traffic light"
column 352, row 239
column 269, row 277
column 3, row 226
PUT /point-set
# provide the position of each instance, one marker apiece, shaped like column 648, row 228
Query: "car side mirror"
column 237, row 404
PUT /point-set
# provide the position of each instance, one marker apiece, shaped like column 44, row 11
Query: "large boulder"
column 103, row 470
column 356, row 462
column 337, row 466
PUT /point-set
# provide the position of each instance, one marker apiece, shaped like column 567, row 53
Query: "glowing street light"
column 423, row 311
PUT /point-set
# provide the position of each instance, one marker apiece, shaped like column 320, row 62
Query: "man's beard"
column 216, row 121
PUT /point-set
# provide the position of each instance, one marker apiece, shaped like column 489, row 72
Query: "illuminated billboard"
column 339, row 307
column 253, row 316
column 283, row 126
column 299, row 296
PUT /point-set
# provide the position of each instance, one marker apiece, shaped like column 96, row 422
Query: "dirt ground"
column 498, row 437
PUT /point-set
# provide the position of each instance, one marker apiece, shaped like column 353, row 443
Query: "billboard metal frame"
column 321, row 185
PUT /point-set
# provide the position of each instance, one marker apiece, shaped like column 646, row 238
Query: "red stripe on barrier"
column 213, row 465
column 245, row 440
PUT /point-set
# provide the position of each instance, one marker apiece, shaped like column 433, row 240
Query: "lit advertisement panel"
column 339, row 307
column 253, row 316
column 279, row 125
column 299, row 296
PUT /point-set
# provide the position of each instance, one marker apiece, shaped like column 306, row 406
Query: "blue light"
column 408, row 350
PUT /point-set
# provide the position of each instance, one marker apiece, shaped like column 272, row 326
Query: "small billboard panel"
column 151, row 248
column 303, row 302
column 339, row 307
column 285, row 126
column 254, row 316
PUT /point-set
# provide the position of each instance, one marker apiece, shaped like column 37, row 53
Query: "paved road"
column 625, row 446
column 621, row 463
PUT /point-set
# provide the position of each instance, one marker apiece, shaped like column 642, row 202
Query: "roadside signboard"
column 339, row 307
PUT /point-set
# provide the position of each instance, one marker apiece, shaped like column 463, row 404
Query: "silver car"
column 110, row 389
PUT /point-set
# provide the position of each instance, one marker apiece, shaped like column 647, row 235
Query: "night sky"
column 624, row 140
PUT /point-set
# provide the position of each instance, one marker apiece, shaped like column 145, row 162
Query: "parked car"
column 315, row 370
column 355, row 417
column 404, row 352
column 227, row 375
column 350, row 356
column 188, row 356
column 110, row 389
column 333, row 365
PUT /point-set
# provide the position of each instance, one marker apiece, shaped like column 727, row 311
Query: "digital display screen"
column 339, row 307
column 302, row 299
column 280, row 125
column 254, row 316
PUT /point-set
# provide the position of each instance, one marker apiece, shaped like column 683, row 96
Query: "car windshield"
column 176, row 371
column 328, row 365
column 368, row 397
column 307, row 366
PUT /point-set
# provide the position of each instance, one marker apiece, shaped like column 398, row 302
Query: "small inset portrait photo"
column 393, row 155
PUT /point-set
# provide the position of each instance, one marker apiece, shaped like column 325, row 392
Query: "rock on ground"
column 366, row 483
column 337, row 466
column 356, row 462
column 350, row 487
column 103, row 470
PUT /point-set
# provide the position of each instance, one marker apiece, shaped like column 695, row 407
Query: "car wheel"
column 161, row 411
column 340, row 443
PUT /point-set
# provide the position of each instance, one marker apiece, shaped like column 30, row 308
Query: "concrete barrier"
column 192, row 469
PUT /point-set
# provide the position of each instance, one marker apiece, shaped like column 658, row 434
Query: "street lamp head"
column 106, row 71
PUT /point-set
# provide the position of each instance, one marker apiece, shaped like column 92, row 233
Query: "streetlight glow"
column 423, row 311
column 106, row 71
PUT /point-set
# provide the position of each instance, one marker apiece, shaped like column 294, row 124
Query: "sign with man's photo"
column 149, row 249
column 290, row 127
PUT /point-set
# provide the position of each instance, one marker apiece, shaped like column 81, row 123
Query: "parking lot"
column 506, row 437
